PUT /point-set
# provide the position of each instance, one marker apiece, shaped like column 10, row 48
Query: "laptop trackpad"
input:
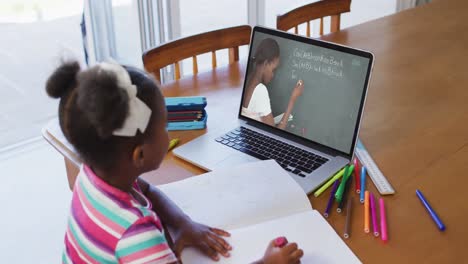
column 234, row 160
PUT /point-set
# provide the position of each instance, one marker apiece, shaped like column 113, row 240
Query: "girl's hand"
column 289, row 254
column 206, row 239
column 298, row 89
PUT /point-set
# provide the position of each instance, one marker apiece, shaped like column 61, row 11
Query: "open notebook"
column 256, row 203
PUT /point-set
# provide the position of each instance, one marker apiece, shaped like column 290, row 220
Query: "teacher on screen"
column 256, row 103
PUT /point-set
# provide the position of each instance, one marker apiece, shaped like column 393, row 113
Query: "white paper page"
column 242, row 196
column 313, row 234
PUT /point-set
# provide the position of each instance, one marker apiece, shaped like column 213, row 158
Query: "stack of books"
column 186, row 113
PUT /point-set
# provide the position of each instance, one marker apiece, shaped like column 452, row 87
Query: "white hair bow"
column 138, row 112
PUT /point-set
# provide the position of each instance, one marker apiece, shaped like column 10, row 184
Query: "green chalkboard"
column 333, row 84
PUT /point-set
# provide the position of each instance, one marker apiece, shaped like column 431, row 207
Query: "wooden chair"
column 173, row 52
column 307, row 13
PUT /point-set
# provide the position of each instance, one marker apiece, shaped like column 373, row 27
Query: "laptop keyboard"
column 291, row 158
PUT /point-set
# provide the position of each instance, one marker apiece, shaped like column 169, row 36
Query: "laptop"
column 301, row 105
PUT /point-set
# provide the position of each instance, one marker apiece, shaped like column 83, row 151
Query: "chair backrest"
column 175, row 51
column 317, row 10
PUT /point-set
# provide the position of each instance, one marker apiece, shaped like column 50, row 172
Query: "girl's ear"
column 138, row 157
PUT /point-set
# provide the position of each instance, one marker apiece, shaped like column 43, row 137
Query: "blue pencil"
column 431, row 211
column 363, row 183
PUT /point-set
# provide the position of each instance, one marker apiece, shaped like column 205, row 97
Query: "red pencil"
column 281, row 242
column 357, row 178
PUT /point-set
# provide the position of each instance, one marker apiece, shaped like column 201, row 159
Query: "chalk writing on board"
column 308, row 61
column 293, row 74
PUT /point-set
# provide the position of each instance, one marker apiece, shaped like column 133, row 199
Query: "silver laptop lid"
column 321, row 85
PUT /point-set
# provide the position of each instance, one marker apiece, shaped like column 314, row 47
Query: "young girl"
column 115, row 118
column 256, row 103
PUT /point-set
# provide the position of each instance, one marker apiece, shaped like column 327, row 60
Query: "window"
column 35, row 35
column 206, row 15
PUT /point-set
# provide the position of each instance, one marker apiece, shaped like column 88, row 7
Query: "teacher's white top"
column 259, row 104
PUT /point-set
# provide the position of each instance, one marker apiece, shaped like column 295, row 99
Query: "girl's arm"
column 167, row 210
column 208, row 240
column 288, row 254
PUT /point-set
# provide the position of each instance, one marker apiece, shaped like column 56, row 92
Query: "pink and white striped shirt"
column 107, row 225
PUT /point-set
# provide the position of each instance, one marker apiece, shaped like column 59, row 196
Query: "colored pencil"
column 184, row 112
column 347, row 232
column 374, row 215
column 431, row 211
column 366, row 212
column 330, row 200
column 363, row 183
column 169, row 118
column 357, row 179
column 173, row 143
column 345, row 195
column 341, row 187
column 383, row 221
column 329, row 183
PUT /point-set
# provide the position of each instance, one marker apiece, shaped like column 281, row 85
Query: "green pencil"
column 339, row 191
column 329, row 182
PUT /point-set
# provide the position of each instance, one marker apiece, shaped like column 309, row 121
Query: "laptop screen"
column 309, row 88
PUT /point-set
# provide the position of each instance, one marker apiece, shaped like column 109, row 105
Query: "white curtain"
column 405, row 4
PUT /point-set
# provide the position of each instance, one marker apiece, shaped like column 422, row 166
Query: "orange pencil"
column 366, row 212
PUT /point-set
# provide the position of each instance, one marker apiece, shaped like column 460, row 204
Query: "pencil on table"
column 375, row 226
column 348, row 217
column 331, row 199
column 341, row 187
column 357, row 178
column 383, row 221
column 363, row 183
column 345, row 194
column 329, row 182
column 366, row 212
column 172, row 144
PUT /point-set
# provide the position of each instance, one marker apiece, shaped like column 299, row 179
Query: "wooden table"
column 415, row 126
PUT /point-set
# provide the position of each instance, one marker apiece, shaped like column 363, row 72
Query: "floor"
column 35, row 199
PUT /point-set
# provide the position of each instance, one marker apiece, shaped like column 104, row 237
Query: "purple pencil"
column 374, row 215
column 330, row 200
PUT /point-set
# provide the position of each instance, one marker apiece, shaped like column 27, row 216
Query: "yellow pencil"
column 173, row 143
column 329, row 183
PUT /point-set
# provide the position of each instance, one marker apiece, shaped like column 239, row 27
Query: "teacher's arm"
column 297, row 91
column 269, row 120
